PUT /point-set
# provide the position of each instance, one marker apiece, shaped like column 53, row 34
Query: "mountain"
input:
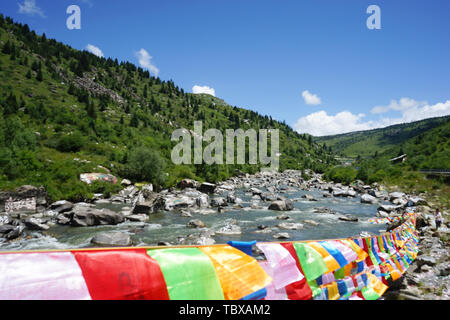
column 425, row 143
column 387, row 140
column 67, row 112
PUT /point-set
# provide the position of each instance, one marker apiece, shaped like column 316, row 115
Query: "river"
column 169, row 226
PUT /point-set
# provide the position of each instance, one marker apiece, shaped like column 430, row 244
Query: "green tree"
column 145, row 164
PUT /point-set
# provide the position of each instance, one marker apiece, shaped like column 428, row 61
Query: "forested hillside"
column 66, row 112
column 371, row 142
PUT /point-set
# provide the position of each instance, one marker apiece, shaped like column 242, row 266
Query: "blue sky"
column 311, row 63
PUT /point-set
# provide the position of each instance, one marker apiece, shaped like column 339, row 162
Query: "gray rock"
column 35, row 224
column 281, row 235
column 112, row 239
column 87, row 217
column 203, row 201
column 425, row 260
column 400, row 202
column 396, row 195
column 311, row 222
column 324, row 210
column 255, row 191
column 283, row 217
column 186, row 214
column 348, row 218
column 219, row 202
column 417, row 201
column 137, row 217
column 196, row 224
column 366, row 198
column 229, row 229
column 308, row 197
column 388, row 208
column 281, row 205
column 6, row 228
column 290, row 226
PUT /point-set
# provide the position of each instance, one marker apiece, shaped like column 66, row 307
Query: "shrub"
column 71, row 143
column 144, row 164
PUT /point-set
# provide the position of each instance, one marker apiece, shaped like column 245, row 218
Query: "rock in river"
column 196, row 224
column 367, row 198
column 290, row 226
column 281, row 205
column 112, row 239
column 86, row 217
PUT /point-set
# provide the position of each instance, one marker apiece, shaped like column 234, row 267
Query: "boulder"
column 426, row 260
column 311, row 222
column 308, row 197
column 112, row 239
column 290, row 226
column 396, row 195
column 207, row 187
column 202, row 201
column 255, row 191
column 145, row 205
column 281, row 205
column 61, row 206
column 366, row 198
column 196, row 224
column 281, row 235
column 35, row 224
column 348, row 218
column 218, row 202
column 388, row 208
column 229, row 230
column 400, row 202
column 269, row 196
column 283, row 217
column 10, row 232
column 87, row 217
column 137, row 217
column 417, row 201
column 324, row 210
column 374, row 193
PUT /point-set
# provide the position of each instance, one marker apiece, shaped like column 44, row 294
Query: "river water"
column 168, row 226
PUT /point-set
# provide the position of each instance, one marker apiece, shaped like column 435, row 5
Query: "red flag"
column 122, row 275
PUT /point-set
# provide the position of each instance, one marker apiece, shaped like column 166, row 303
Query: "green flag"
column 189, row 274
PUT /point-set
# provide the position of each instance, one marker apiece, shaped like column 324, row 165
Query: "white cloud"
column 310, row 98
column 412, row 110
column 95, row 50
column 29, row 7
column 205, row 89
column 145, row 61
column 321, row 124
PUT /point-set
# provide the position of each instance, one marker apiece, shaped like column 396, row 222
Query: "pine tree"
column 134, row 122
column 39, row 76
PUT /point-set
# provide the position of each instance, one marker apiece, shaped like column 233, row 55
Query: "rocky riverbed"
column 263, row 207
